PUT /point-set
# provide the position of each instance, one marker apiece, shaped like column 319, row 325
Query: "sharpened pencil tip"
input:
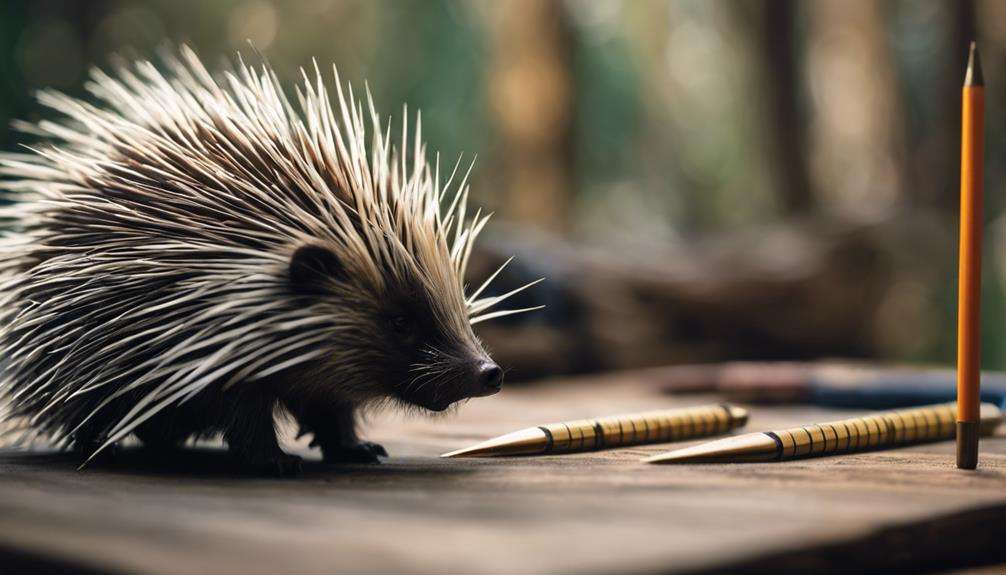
column 974, row 76
column 739, row 448
column 455, row 453
column 523, row 442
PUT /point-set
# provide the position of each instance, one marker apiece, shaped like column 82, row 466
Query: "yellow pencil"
column 970, row 266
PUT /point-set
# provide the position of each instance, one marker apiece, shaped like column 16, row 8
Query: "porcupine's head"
column 186, row 232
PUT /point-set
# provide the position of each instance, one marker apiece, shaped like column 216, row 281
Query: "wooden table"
column 595, row 512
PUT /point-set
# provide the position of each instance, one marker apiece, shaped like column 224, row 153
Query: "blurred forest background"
column 699, row 180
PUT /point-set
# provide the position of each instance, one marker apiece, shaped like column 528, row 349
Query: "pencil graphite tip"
column 974, row 75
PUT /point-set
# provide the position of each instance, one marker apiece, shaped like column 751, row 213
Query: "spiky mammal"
column 188, row 254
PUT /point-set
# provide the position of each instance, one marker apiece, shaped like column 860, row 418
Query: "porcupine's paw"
column 362, row 452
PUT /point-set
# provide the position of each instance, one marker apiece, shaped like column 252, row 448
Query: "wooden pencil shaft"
column 641, row 428
column 880, row 430
column 877, row 431
column 613, row 431
column 970, row 265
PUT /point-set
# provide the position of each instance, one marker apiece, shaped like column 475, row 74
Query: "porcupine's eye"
column 404, row 328
column 401, row 325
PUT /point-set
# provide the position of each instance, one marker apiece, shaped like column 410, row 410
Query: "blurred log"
column 773, row 26
column 779, row 52
column 856, row 152
column 932, row 105
column 810, row 290
column 531, row 94
column 961, row 31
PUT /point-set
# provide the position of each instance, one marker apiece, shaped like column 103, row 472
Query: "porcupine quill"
column 187, row 253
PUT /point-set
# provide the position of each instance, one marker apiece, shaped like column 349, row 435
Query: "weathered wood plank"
column 420, row 514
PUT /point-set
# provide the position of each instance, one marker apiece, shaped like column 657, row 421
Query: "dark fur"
column 394, row 332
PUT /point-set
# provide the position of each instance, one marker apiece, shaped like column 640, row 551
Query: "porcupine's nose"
column 490, row 378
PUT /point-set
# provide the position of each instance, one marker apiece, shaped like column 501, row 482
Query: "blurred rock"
column 814, row 288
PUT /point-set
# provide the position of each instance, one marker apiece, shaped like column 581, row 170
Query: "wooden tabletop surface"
column 598, row 512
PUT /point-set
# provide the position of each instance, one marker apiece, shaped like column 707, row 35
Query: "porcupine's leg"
column 250, row 432
column 334, row 432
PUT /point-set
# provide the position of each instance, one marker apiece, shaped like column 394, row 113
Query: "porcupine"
column 190, row 252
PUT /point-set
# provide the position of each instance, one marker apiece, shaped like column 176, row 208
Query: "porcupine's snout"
column 478, row 378
column 488, row 379
column 458, row 381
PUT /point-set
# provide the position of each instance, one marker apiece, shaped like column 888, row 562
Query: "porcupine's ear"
column 313, row 267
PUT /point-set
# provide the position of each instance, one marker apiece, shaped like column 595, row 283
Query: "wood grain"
column 594, row 512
